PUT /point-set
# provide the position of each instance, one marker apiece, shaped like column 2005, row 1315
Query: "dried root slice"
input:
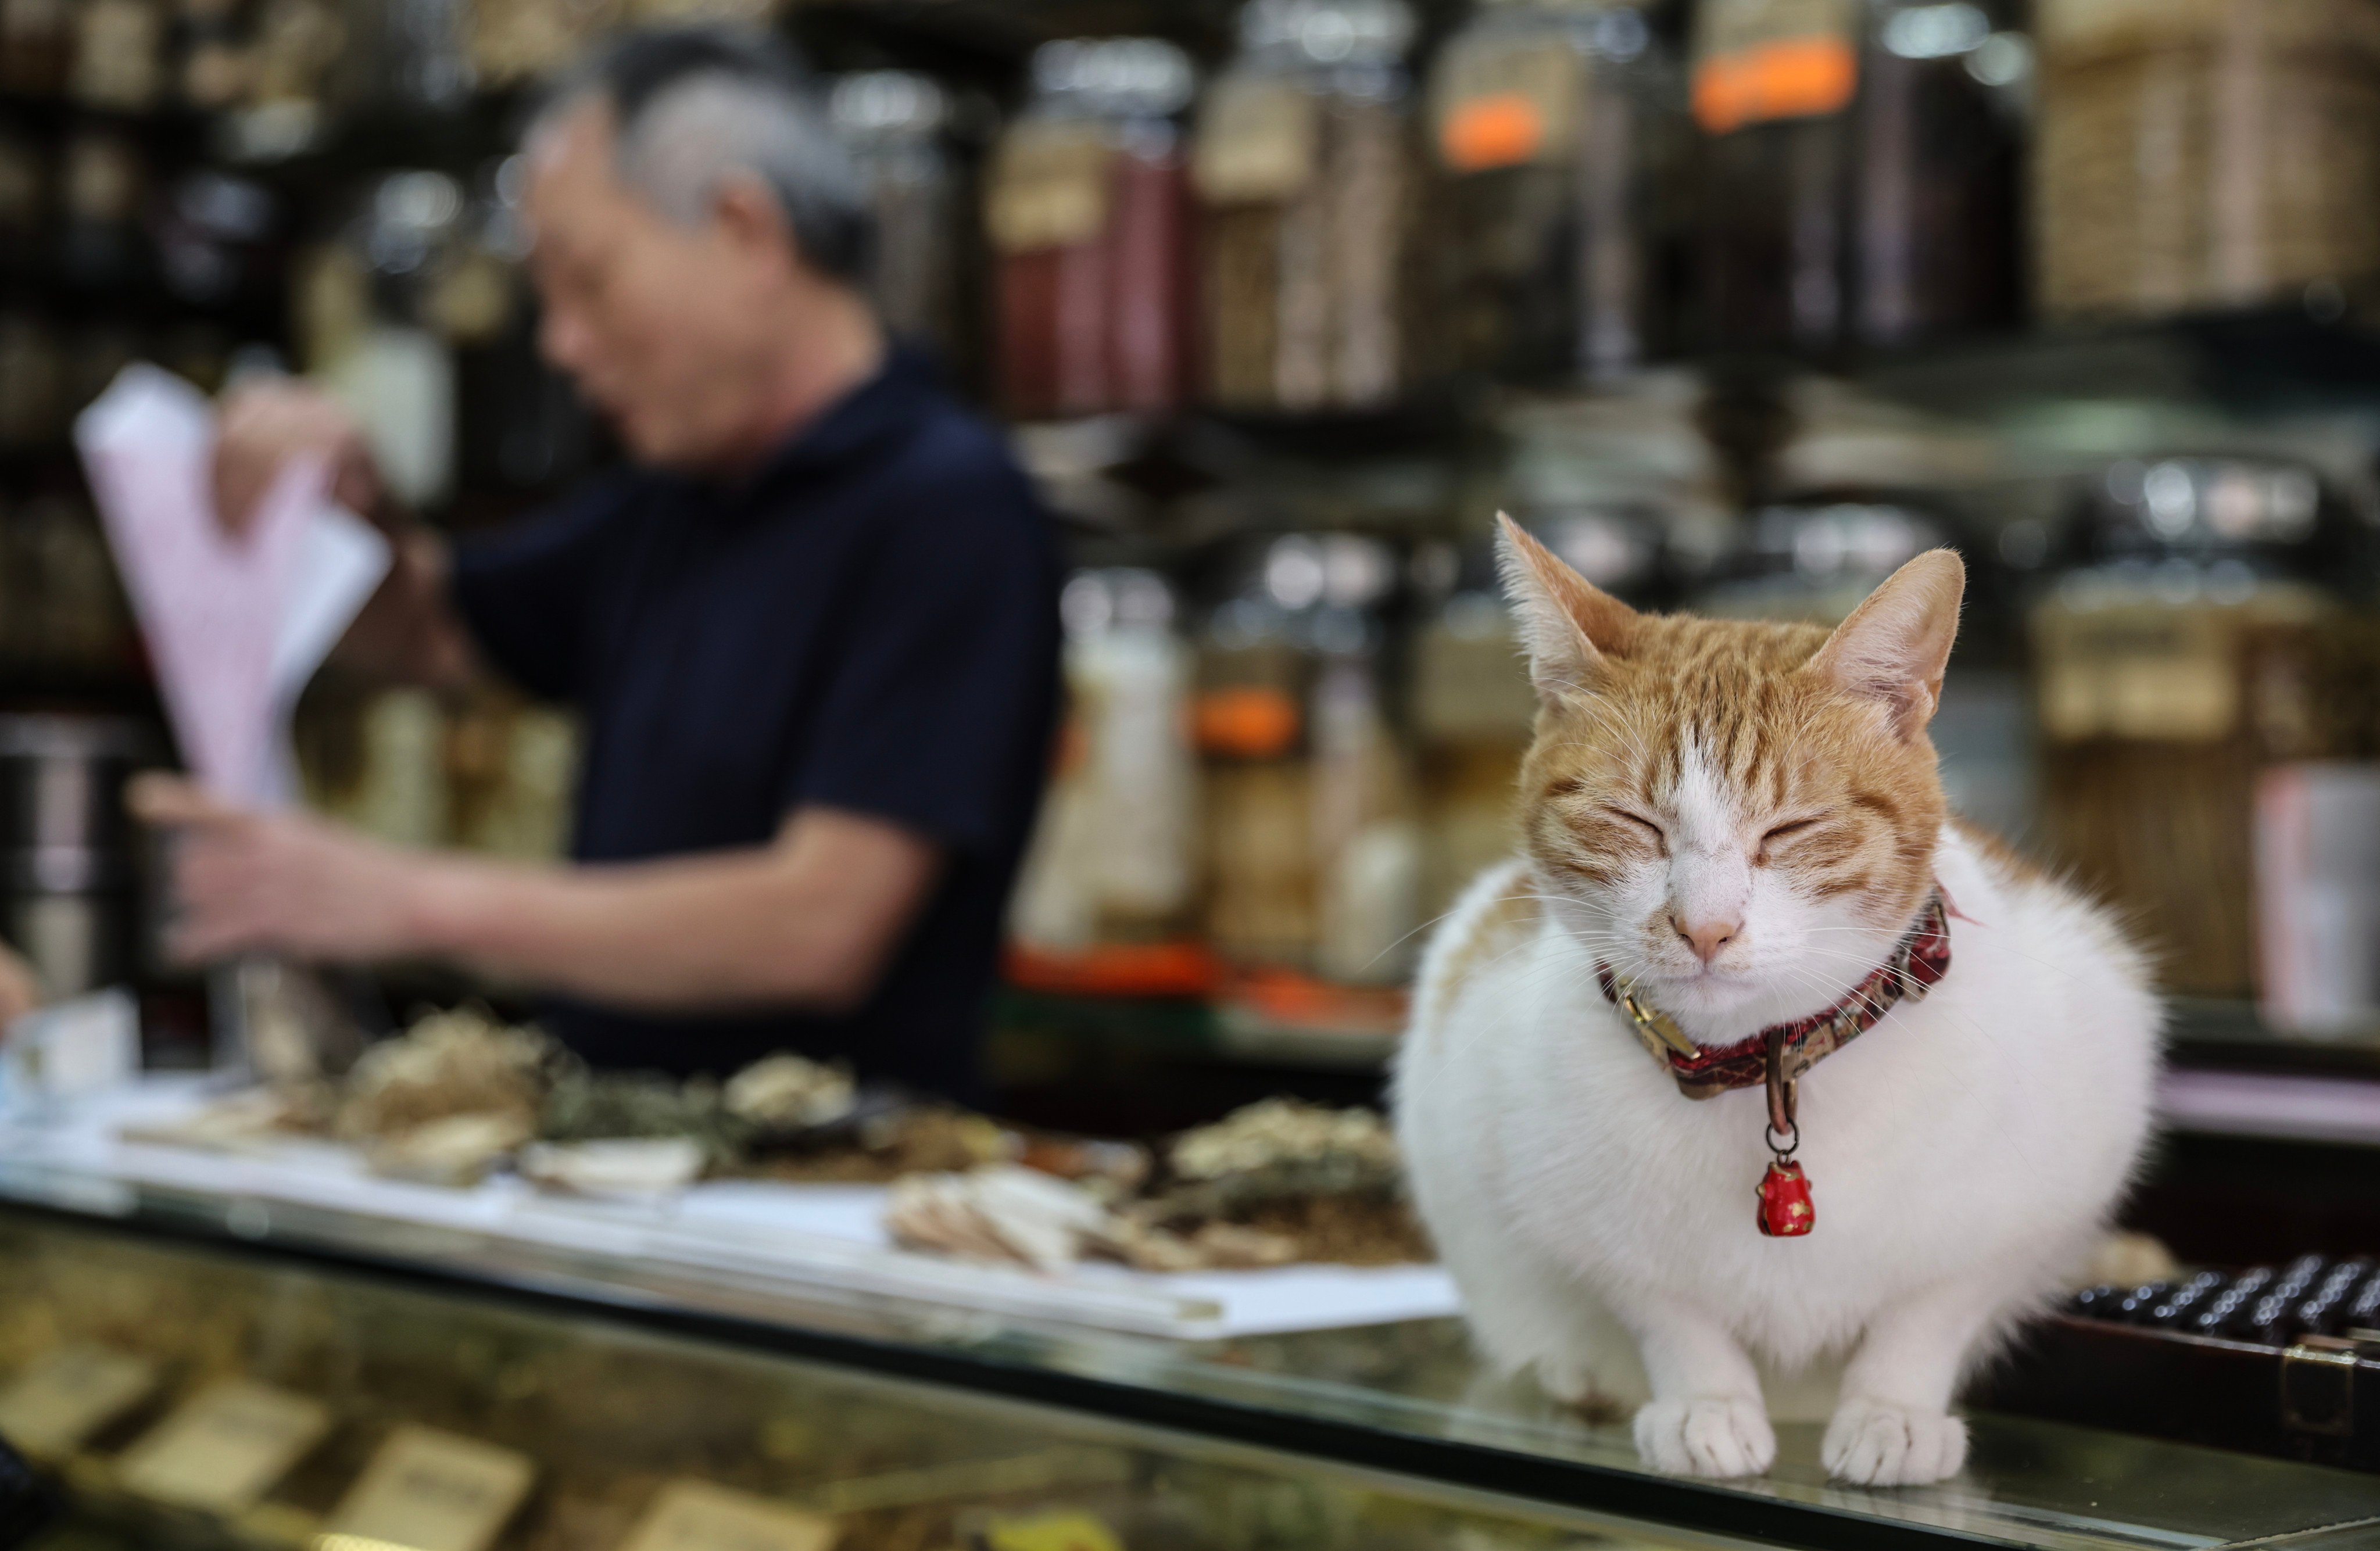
column 1006, row 1213
column 458, row 1150
column 1000, row 1212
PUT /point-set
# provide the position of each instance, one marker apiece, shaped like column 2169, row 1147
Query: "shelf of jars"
column 1285, row 300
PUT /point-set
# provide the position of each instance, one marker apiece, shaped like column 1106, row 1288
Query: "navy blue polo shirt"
column 870, row 623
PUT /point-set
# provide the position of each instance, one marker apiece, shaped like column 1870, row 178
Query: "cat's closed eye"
column 1649, row 829
column 1787, row 830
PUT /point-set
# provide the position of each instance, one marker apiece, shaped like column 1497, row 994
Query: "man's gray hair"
column 694, row 108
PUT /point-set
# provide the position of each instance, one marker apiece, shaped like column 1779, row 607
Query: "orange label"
column 1501, row 131
column 1787, row 77
column 1251, row 722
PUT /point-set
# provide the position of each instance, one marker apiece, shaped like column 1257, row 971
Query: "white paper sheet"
column 804, row 1237
column 234, row 623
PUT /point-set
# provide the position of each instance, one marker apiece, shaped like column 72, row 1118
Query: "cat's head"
column 1738, row 818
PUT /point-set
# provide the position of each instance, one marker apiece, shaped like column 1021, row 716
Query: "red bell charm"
column 1785, row 1209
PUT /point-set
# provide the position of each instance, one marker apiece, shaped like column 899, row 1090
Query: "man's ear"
column 1568, row 625
column 1895, row 647
column 749, row 216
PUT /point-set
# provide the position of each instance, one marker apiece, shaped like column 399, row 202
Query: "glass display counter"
column 204, row 1372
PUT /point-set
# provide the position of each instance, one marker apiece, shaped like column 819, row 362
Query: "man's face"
column 654, row 320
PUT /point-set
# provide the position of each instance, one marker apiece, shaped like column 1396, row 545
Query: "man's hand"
column 19, row 993
column 276, row 882
column 266, row 422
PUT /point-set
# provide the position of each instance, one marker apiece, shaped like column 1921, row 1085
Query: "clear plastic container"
column 1559, row 126
column 1305, row 173
column 1088, row 210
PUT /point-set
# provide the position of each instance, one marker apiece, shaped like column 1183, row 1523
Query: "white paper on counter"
column 234, row 624
column 800, row 1236
column 1251, row 1302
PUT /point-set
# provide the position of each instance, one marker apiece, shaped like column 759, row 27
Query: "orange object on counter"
column 1286, row 996
column 1140, row 969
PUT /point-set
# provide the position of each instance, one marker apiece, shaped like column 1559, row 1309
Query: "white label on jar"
column 1049, row 187
column 1257, row 143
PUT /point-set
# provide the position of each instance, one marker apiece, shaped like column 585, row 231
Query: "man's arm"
column 409, row 631
column 811, row 919
column 19, row 994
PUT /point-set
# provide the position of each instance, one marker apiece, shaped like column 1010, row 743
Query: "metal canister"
column 68, row 893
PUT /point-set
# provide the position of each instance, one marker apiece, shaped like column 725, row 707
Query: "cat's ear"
column 1568, row 625
column 1895, row 646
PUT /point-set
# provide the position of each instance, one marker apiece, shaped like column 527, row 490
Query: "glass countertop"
column 1403, row 1397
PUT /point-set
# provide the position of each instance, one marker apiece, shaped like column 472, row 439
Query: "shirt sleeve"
column 938, row 714
column 526, row 591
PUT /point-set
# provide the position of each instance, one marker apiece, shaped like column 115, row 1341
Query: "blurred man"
column 813, row 634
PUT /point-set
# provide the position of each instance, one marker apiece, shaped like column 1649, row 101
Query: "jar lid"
column 1129, row 76
column 58, row 735
column 876, row 102
column 2195, row 503
column 1330, row 32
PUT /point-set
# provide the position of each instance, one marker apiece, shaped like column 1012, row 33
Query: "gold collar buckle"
column 1659, row 1026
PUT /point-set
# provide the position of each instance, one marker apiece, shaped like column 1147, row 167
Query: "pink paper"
column 210, row 603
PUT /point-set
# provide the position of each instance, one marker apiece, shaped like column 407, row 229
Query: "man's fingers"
column 171, row 801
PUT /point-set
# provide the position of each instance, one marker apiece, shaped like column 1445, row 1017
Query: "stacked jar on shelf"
column 1558, row 130
column 1307, row 186
column 1313, row 852
column 1088, row 215
column 1859, row 171
column 2218, row 153
column 893, row 123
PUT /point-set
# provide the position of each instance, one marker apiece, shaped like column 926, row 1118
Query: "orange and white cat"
column 1738, row 823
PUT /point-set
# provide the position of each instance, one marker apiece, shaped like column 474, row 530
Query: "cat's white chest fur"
column 1963, row 1155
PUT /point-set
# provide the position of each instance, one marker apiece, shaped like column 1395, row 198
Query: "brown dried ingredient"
column 462, row 1062
column 925, row 1139
column 1347, row 1230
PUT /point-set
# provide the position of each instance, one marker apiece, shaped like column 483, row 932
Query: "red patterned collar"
column 1915, row 964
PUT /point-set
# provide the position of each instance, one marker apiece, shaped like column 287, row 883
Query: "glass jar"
column 2205, row 155
column 1087, row 210
column 36, row 46
column 1314, row 863
column 120, row 60
column 1860, row 165
column 103, row 183
column 377, row 315
column 893, row 123
column 2180, row 648
column 1115, row 859
column 1559, row 126
column 1303, row 173
column 1943, row 122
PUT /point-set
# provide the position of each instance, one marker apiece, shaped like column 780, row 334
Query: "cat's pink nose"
column 1705, row 938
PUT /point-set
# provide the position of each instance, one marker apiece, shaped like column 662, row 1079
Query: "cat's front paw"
column 1876, row 1443
column 1717, row 1437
